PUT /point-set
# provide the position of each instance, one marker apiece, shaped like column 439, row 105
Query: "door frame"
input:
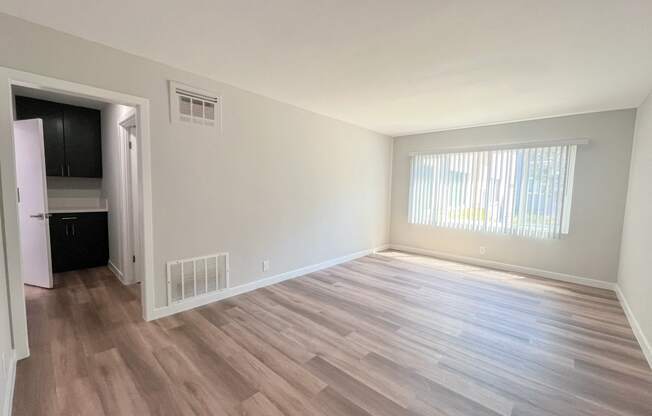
column 11, row 77
column 129, row 239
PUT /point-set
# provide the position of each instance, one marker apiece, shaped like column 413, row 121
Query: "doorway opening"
column 81, row 200
column 77, row 177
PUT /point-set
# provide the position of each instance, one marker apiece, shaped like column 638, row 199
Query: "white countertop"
column 76, row 210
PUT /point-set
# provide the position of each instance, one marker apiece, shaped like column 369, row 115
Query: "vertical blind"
column 522, row 191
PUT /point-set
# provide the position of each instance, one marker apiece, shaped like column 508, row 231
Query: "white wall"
column 279, row 183
column 75, row 188
column 112, row 116
column 590, row 250
column 635, row 272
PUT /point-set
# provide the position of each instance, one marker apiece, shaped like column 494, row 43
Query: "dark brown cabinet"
column 72, row 135
column 79, row 240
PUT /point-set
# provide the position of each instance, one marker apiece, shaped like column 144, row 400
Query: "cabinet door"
column 52, row 116
column 82, row 133
column 61, row 243
column 79, row 241
column 91, row 234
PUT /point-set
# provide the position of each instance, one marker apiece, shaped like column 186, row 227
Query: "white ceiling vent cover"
column 194, row 106
column 197, row 276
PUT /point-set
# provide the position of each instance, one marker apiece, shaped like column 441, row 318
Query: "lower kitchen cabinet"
column 79, row 240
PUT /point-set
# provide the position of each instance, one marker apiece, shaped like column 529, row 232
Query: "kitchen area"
column 73, row 215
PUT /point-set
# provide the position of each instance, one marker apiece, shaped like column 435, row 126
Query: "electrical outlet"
column 265, row 265
column 483, row 250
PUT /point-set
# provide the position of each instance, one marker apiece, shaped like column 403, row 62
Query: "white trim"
column 380, row 248
column 645, row 344
column 569, row 278
column 9, row 77
column 114, row 269
column 202, row 300
column 10, row 383
column 511, row 121
column 504, row 146
column 128, row 239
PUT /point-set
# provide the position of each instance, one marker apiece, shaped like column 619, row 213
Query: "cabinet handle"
column 68, row 169
column 62, row 174
column 68, row 218
column 66, row 230
column 73, row 230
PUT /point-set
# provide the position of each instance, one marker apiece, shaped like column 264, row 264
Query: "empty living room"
column 328, row 208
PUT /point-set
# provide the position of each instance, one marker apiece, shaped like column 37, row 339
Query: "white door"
column 32, row 203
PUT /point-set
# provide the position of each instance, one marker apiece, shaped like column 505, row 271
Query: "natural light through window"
column 520, row 191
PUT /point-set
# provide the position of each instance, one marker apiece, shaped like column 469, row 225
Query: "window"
column 520, row 191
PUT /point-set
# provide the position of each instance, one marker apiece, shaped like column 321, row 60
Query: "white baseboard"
column 381, row 248
column 248, row 287
column 8, row 366
column 645, row 344
column 114, row 269
column 508, row 267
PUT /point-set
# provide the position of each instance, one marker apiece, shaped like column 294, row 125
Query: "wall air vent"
column 194, row 106
column 197, row 276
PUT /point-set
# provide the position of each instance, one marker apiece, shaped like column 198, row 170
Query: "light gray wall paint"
column 590, row 250
column 635, row 272
column 279, row 183
column 112, row 116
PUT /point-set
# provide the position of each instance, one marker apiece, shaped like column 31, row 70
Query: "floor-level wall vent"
column 188, row 278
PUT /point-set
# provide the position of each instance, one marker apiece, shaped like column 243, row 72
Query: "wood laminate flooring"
column 389, row 334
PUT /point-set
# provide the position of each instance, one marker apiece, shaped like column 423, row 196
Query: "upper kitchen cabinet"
column 83, row 142
column 72, row 135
